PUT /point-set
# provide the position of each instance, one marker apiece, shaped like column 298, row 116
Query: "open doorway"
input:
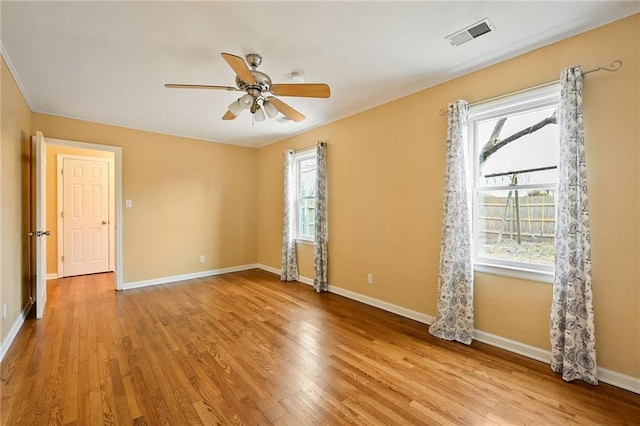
column 80, row 195
column 74, row 155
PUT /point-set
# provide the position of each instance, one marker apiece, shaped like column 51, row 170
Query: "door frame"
column 60, row 204
column 40, row 232
column 117, row 172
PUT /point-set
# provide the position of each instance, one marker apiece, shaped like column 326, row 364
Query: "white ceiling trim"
column 140, row 129
column 14, row 73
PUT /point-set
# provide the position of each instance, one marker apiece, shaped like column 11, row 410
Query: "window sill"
column 509, row 271
column 305, row 242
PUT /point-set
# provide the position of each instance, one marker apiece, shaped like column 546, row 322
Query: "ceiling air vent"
column 471, row 32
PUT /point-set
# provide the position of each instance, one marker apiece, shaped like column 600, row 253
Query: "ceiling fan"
column 257, row 85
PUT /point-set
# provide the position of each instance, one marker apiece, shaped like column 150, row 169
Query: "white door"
column 85, row 216
column 40, row 233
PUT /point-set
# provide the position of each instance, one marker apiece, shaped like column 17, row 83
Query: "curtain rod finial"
column 615, row 65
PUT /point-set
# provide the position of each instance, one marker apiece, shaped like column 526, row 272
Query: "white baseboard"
column 14, row 331
column 184, row 277
column 620, row 380
column 611, row 377
column 269, row 269
column 53, row 276
column 305, row 280
column 523, row 349
column 380, row 304
column 385, row 306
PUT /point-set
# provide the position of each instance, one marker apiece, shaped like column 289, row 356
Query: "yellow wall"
column 52, row 196
column 386, row 177
column 190, row 197
column 15, row 124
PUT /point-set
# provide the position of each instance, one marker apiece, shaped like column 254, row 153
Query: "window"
column 514, row 158
column 305, row 186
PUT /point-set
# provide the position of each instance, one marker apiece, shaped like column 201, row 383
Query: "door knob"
column 104, row 222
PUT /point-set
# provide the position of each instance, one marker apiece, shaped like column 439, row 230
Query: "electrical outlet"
column 370, row 278
column 202, row 258
column 4, row 311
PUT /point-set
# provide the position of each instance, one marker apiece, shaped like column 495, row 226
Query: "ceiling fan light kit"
column 236, row 107
column 255, row 83
column 271, row 111
column 259, row 114
column 246, row 100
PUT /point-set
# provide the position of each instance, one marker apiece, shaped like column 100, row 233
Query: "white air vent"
column 473, row 31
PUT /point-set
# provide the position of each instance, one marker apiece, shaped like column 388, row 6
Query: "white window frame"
column 297, row 159
column 541, row 97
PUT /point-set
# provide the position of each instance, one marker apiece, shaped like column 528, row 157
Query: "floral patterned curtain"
column 320, row 246
column 289, row 266
column 573, row 342
column 454, row 319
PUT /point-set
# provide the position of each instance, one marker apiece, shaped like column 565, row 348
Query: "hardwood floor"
column 245, row 348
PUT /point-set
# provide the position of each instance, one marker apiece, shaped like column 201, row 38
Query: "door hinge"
column 62, row 258
column 61, row 214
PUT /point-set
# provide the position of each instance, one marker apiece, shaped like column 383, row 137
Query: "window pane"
column 529, row 238
column 307, row 217
column 307, row 179
column 534, row 150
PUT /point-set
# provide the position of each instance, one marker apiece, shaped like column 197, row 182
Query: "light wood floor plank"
column 245, row 348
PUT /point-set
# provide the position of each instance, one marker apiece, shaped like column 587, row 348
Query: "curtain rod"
column 614, row 66
column 308, row 147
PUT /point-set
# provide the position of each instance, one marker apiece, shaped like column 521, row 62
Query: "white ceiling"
column 107, row 61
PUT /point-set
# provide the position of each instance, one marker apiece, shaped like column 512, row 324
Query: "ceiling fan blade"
column 200, row 86
column 240, row 67
column 285, row 109
column 228, row 116
column 319, row 90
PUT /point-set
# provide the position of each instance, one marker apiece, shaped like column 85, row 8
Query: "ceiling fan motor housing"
column 263, row 82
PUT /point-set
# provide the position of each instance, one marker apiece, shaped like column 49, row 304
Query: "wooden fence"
column 537, row 218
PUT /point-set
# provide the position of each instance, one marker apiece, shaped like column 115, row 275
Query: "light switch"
column 128, row 203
